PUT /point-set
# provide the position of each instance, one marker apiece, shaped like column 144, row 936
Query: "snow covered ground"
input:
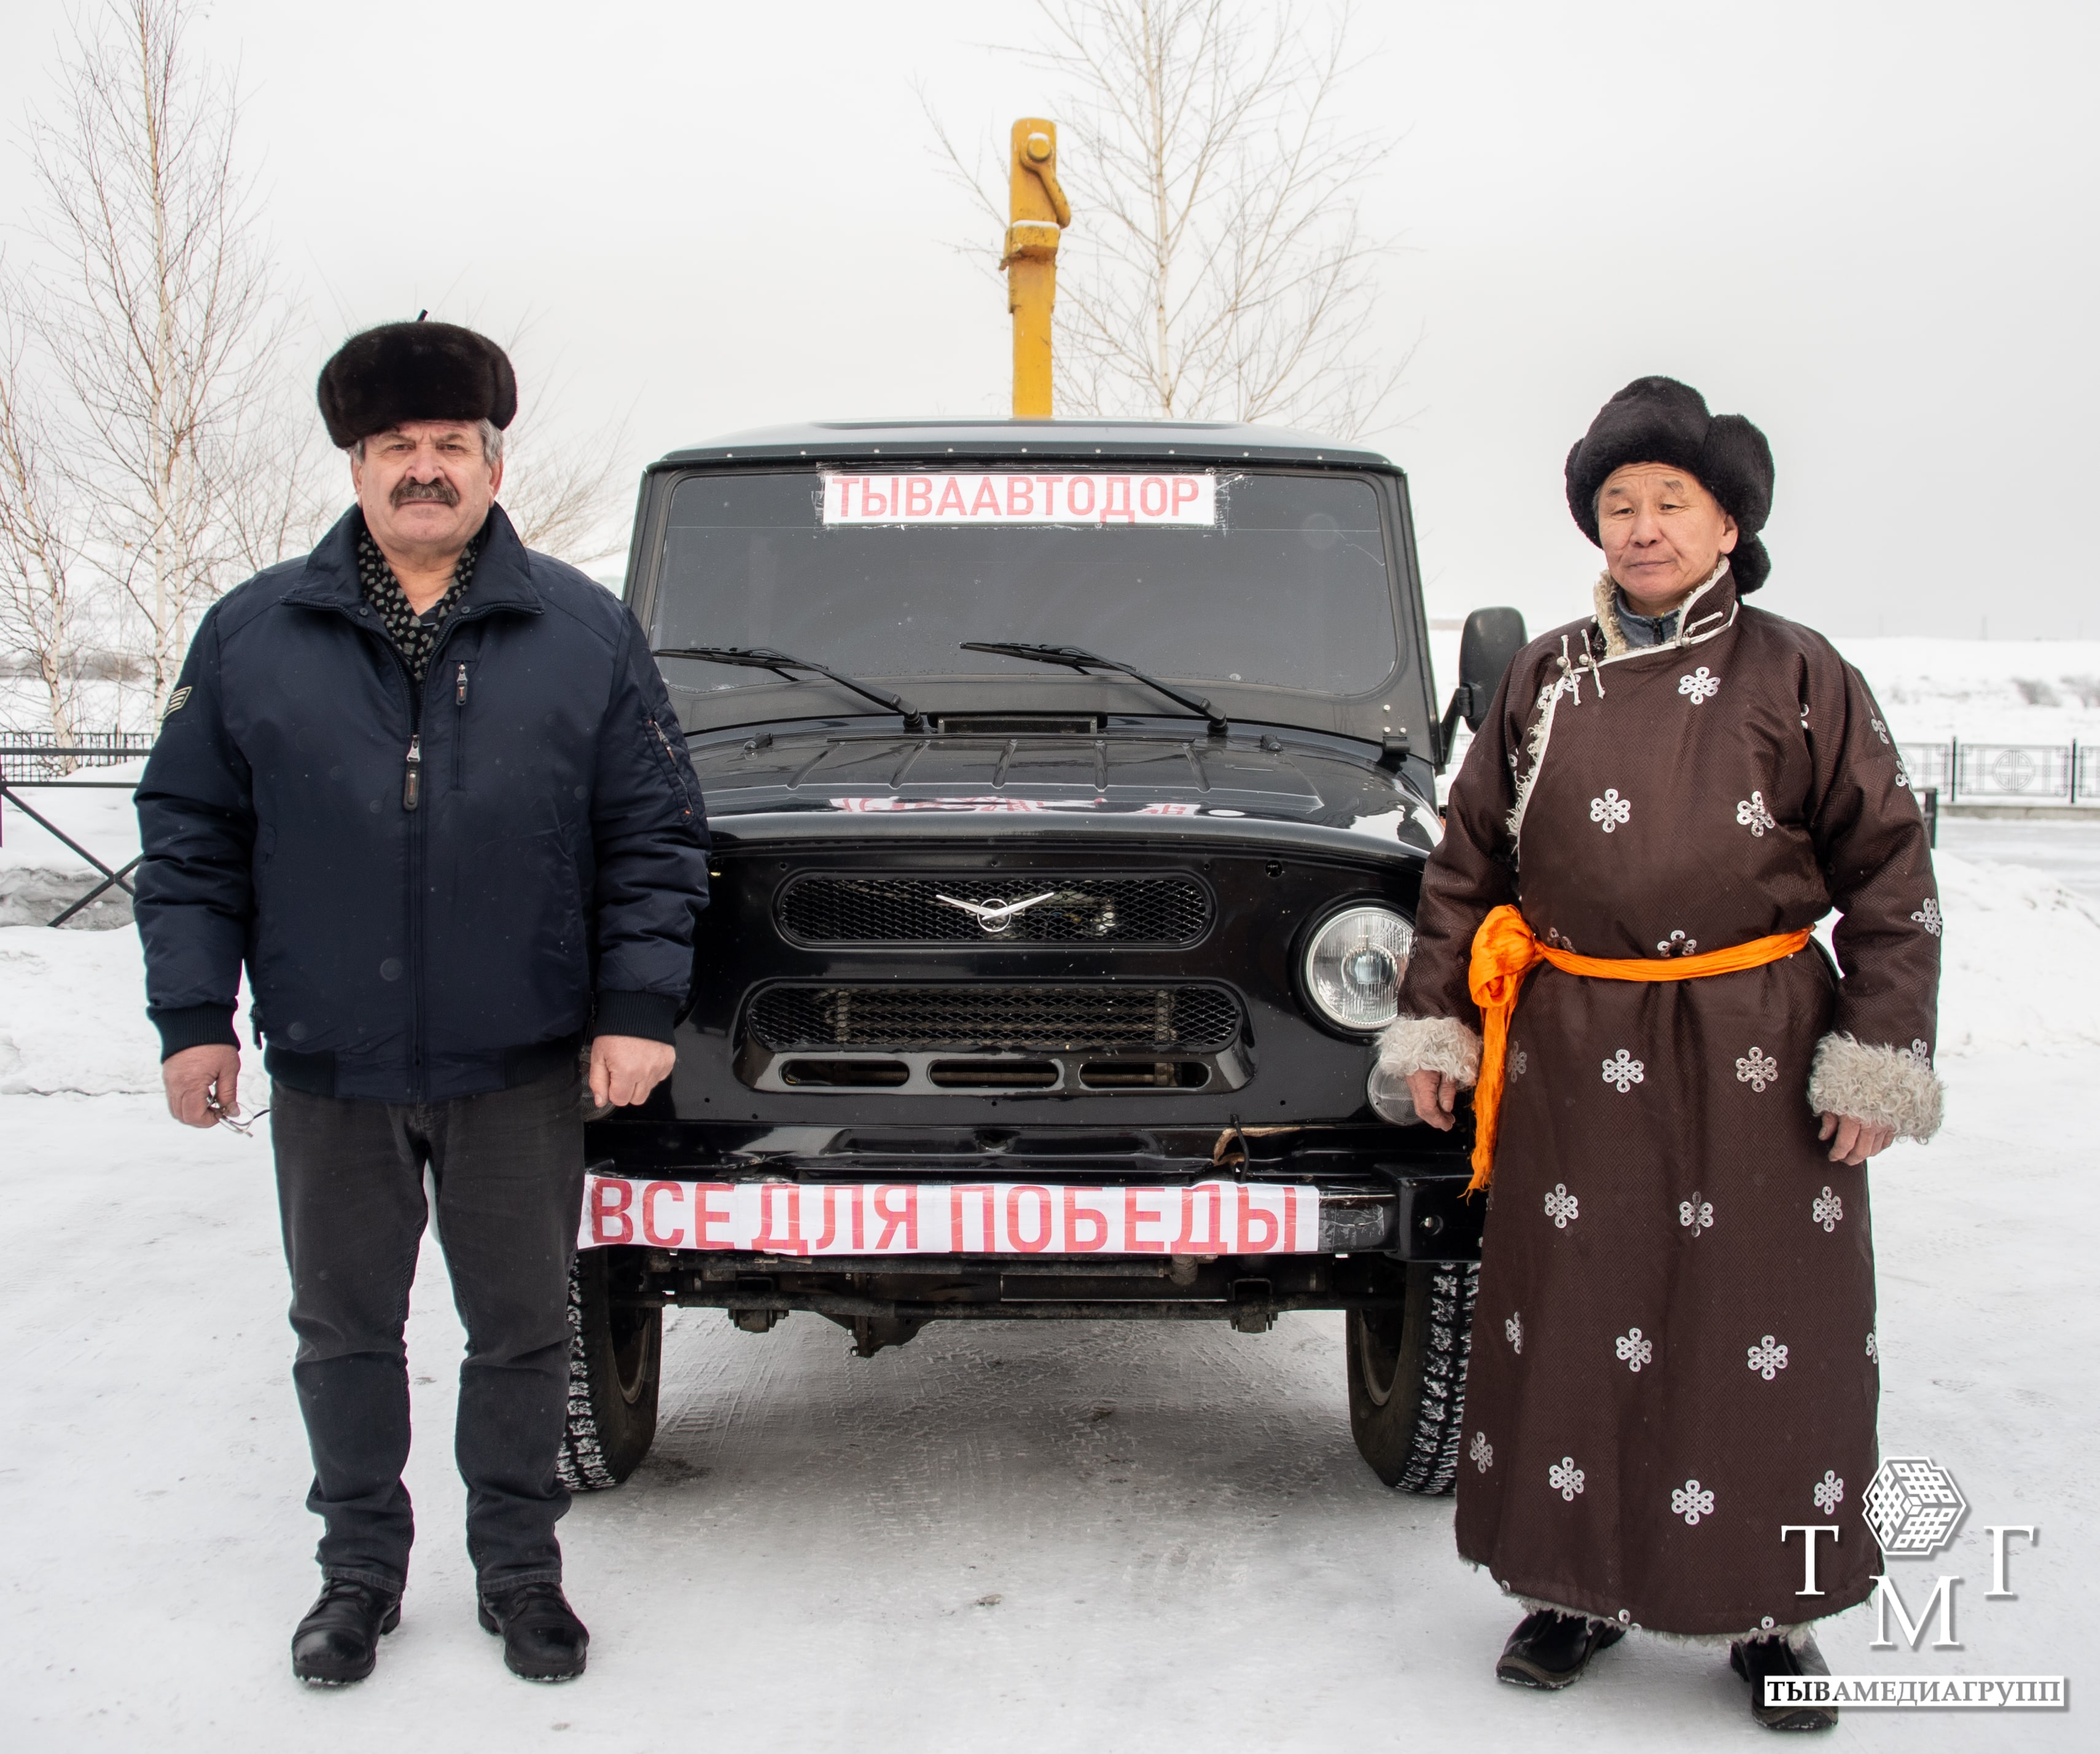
column 1070, row 1538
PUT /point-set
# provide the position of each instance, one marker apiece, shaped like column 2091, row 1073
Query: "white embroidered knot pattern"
column 1513, row 1332
column 1634, row 1349
column 1757, row 1069
column 1696, row 1214
column 1752, row 814
column 1482, row 1452
column 1873, row 1348
column 1829, row 1491
column 1519, row 1063
column 1702, row 684
column 1920, row 1050
column 1826, row 1209
column 1564, row 1478
column 1767, row 1358
column 1677, row 944
column 1881, row 730
column 1623, row 1071
column 1561, row 1206
column 1903, row 773
column 1611, row 810
column 1928, row 916
column 1691, row 1501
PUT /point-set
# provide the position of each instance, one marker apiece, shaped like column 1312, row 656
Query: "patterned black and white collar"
column 413, row 635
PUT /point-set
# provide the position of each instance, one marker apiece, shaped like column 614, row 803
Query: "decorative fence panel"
column 2006, row 773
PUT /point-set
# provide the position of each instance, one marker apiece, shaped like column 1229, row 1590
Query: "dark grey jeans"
column 509, row 1170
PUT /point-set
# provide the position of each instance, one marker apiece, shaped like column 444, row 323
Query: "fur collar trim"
column 1604, row 595
column 1604, row 600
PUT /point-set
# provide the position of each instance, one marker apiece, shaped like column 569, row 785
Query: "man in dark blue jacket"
column 427, row 786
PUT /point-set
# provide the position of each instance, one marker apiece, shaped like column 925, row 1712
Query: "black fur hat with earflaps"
column 414, row 371
column 1658, row 420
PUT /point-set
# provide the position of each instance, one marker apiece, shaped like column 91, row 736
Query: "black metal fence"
column 38, row 759
column 2030, row 773
column 40, row 755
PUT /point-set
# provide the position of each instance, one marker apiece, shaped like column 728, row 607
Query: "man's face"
column 1663, row 533
column 425, row 486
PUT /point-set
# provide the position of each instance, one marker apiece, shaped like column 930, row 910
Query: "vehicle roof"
column 1204, row 440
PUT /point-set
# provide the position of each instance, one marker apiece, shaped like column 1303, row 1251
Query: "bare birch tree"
column 160, row 316
column 567, row 495
column 40, row 607
column 1217, row 266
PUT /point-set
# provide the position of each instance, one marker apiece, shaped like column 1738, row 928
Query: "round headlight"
column 1353, row 967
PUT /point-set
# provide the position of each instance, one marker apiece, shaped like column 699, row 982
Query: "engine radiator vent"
column 1196, row 1018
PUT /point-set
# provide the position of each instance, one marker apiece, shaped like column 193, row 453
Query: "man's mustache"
column 440, row 490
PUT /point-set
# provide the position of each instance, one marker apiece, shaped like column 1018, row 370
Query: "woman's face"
column 1663, row 533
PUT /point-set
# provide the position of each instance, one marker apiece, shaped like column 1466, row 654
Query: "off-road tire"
column 1407, row 1378
column 615, row 1363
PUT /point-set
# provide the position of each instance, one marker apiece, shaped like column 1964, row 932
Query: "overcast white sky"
column 1870, row 227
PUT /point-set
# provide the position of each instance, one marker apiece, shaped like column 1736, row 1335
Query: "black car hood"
column 831, row 779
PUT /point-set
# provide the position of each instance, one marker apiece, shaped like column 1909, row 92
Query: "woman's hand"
column 1857, row 1140
column 1435, row 1094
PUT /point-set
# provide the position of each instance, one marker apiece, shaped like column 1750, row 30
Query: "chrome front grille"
column 1167, row 909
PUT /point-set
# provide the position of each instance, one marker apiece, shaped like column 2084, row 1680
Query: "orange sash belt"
column 1505, row 951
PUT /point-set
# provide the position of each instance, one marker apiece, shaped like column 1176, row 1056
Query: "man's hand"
column 624, row 1069
column 1857, row 1140
column 1435, row 1094
column 203, row 1083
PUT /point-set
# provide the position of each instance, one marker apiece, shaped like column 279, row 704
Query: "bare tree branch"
column 162, row 320
column 40, row 607
column 567, row 496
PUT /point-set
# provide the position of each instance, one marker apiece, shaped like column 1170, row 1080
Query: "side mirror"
column 1493, row 638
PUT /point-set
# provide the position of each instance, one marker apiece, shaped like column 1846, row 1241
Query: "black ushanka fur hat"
column 1658, row 420
column 414, row 371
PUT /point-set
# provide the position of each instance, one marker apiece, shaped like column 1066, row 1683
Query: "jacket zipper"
column 459, row 728
column 411, row 783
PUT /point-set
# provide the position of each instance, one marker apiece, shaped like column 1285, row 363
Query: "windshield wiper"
column 765, row 658
column 1073, row 658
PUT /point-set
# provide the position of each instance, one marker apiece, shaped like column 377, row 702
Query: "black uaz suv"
column 1070, row 786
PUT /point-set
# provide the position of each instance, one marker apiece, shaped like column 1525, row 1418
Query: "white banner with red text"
column 958, row 497
column 949, row 1217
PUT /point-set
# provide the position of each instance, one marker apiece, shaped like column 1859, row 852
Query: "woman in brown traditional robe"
column 1674, row 1352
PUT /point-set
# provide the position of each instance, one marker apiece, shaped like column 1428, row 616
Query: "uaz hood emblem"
column 994, row 916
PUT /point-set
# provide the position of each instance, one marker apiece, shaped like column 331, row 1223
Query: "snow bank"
column 1995, row 691
column 2009, row 690
column 72, row 1014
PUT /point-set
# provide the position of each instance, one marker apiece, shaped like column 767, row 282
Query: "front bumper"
column 1387, row 1197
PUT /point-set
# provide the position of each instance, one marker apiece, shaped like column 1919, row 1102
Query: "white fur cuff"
column 1887, row 1087
column 1420, row 1044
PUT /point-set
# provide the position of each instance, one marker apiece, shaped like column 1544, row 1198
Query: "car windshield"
column 1284, row 582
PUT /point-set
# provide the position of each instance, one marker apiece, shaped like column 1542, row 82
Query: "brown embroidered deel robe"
column 1673, row 1351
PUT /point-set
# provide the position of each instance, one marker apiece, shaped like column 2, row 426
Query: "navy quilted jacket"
column 417, row 943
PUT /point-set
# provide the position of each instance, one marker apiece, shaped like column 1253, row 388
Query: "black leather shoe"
column 1549, row 1649
column 542, row 1640
column 1760, row 1656
column 338, row 1640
